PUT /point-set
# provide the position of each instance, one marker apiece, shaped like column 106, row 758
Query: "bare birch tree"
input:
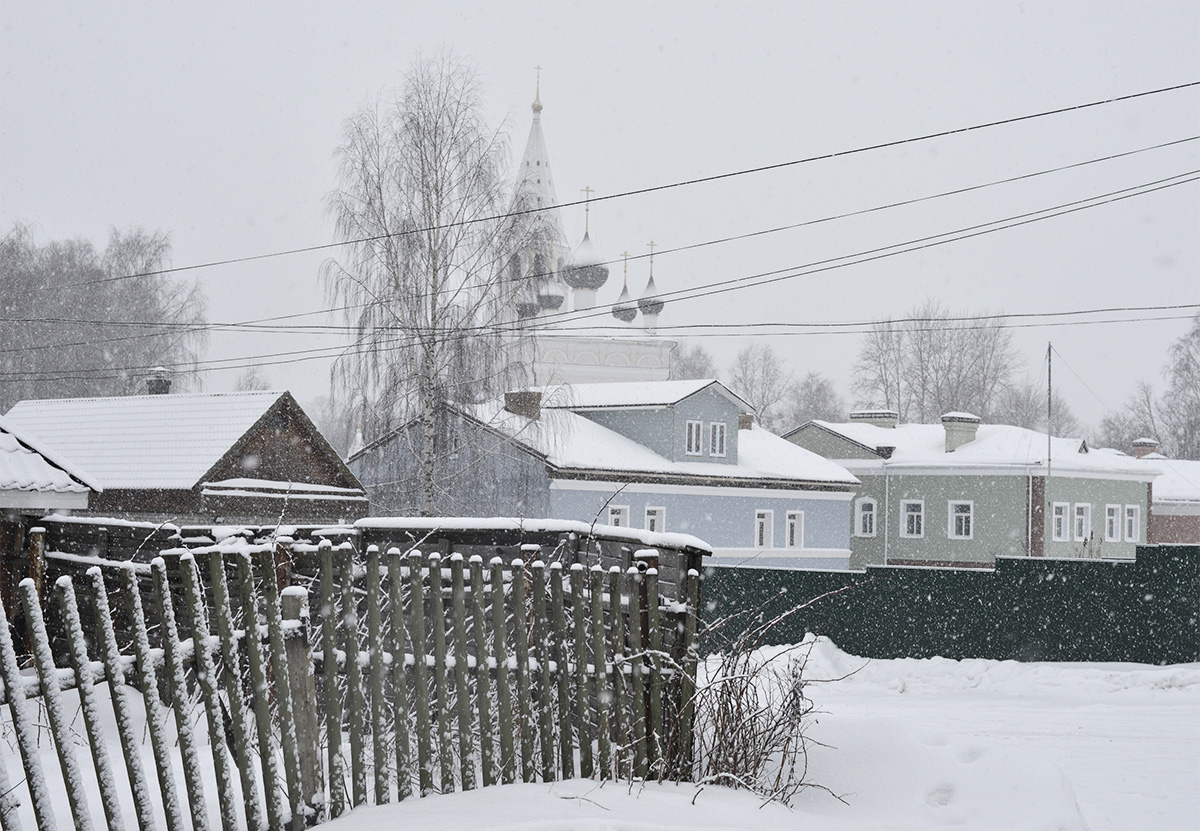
column 929, row 364
column 421, row 207
column 76, row 321
column 760, row 376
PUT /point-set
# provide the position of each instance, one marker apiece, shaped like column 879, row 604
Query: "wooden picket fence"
column 412, row 675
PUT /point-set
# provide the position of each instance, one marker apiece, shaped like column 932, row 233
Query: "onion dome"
column 527, row 304
column 587, row 272
column 649, row 302
column 551, row 296
column 624, row 310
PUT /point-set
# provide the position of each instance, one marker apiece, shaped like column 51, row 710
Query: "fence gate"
column 212, row 694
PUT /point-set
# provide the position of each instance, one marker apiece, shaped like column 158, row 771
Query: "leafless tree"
column 690, row 362
column 75, row 321
column 928, row 364
column 421, row 207
column 812, row 397
column 759, row 375
column 252, row 379
column 1172, row 418
column 1024, row 405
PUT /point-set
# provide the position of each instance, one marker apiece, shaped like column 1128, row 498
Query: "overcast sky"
column 217, row 123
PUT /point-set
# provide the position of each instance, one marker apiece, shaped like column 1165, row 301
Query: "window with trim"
column 912, row 518
column 864, row 517
column 717, row 431
column 1112, row 523
column 655, row 518
column 1083, row 521
column 795, row 529
column 695, row 438
column 618, row 516
column 763, row 529
column 961, row 524
column 1059, row 528
column 1133, row 523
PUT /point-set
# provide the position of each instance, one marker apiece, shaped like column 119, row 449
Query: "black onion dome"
column 624, row 310
column 587, row 272
column 551, row 297
column 649, row 302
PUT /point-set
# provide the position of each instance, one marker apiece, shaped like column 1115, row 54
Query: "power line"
column 337, row 329
column 654, row 188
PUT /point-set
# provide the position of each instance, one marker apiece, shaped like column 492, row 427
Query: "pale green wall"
column 823, row 443
column 1098, row 493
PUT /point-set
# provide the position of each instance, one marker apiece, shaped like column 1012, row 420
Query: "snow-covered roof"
column 570, row 441
column 630, row 394
column 29, row 466
column 994, row 446
column 1178, row 481
column 145, row 441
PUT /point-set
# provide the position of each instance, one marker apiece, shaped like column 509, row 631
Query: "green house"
column 961, row 493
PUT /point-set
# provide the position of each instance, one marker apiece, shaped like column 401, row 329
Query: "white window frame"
column 952, row 516
column 919, row 514
column 764, row 528
column 1112, row 523
column 1134, row 513
column 694, row 438
column 619, row 513
column 1081, row 531
column 1060, row 522
column 718, row 436
column 860, row 509
column 657, row 516
column 795, row 530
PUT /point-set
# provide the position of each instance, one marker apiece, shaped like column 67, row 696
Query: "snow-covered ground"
column 907, row 744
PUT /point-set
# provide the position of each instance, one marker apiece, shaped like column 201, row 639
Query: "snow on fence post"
column 88, row 704
column 37, row 559
column 329, row 688
column 298, row 646
column 232, row 676
column 633, row 585
column 604, row 696
column 655, row 749
column 399, row 676
column 155, row 718
column 279, row 668
column 462, row 691
column 179, row 694
column 258, row 683
column 582, row 710
column 420, row 675
column 508, row 755
column 524, row 699
column 60, row 726
column 483, row 679
column 537, row 581
column 437, row 613
column 27, row 740
column 375, row 665
column 566, row 745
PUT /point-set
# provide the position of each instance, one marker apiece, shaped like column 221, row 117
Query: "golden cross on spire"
column 651, row 244
column 625, row 257
column 587, row 198
column 537, row 98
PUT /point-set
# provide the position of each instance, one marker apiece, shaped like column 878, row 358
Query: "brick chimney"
column 960, row 429
column 879, row 418
column 526, row 403
column 159, row 381
column 745, row 421
column 1144, row 447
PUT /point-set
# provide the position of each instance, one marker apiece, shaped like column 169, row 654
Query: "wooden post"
column 37, row 559
column 298, row 645
column 329, row 686
column 620, row 690
column 600, row 665
column 354, row 693
column 524, row 697
column 582, row 719
column 483, row 679
column 508, row 763
column 655, row 730
column 466, row 747
column 633, row 585
column 420, row 674
column 437, row 612
column 399, row 677
column 541, row 644
column 375, row 665
column 558, row 613
column 689, row 661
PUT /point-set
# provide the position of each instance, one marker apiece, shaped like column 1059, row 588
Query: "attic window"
column 694, row 444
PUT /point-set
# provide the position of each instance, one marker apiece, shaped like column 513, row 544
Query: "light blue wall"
column 723, row 521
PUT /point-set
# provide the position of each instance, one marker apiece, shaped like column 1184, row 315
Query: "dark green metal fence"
column 1029, row 609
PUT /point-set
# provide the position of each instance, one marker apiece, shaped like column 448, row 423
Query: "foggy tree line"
column 74, row 322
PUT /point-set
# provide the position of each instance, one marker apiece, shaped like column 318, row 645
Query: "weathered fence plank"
column 508, row 754
column 520, row 630
column 558, row 636
column 354, row 694
column 376, row 666
column 483, row 680
column 582, row 711
column 420, row 675
column 437, row 611
column 462, row 693
column 601, row 669
column 399, row 677
column 655, row 749
column 333, row 698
